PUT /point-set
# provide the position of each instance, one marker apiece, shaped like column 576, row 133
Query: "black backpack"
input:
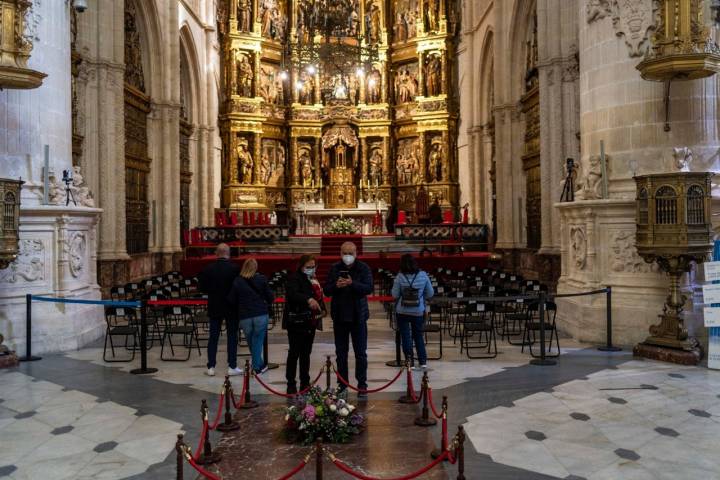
column 410, row 296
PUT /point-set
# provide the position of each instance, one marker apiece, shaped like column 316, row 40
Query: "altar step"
column 297, row 245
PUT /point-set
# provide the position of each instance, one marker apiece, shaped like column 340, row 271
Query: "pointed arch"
column 522, row 18
column 190, row 66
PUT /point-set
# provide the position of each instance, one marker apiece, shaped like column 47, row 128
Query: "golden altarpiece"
column 332, row 137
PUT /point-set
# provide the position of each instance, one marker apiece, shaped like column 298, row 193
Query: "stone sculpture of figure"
column 266, row 17
column 373, row 23
column 410, row 20
column 374, row 85
column 81, row 191
column 279, row 90
column 280, row 159
column 590, row 184
column 433, row 76
column 245, row 162
column 432, row 22
column 245, row 76
column 265, row 168
column 400, row 28
column 405, row 86
column 243, row 15
column 375, row 166
column 683, row 158
column 306, row 89
column 436, row 160
column 306, row 169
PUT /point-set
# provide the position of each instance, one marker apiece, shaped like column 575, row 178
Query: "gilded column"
column 386, row 160
column 362, row 80
column 295, row 92
column 423, row 158
column 257, row 151
column 384, row 86
column 318, row 99
column 256, row 75
column 421, row 74
column 364, row 161
column 316, row 160
column 294, row 162
column 443, row 82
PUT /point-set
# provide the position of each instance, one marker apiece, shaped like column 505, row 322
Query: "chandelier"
column 329, row 42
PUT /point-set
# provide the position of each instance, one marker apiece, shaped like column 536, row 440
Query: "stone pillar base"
column 672, row 355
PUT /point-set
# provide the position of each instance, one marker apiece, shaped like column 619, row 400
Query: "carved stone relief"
column 578, row 242
column 624, row 257
column 632, row 19
column 57, row 194
column 29, row 266
column 76, row 247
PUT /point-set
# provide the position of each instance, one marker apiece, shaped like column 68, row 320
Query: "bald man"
column 216, row 280
column 349, row 283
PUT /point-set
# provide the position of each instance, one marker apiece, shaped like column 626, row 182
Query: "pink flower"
column 309, row 412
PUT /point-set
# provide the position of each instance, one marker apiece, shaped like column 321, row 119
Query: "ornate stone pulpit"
column 674, row 230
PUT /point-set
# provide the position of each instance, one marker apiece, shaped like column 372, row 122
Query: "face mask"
column 309, row 271
column 348, row 259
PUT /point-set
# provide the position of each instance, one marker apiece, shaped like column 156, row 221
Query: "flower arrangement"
column 341, row 226
column 321, row 414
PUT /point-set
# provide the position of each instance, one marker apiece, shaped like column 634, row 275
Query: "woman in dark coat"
column 303, row 315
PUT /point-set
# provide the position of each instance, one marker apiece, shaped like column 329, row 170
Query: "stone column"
column 57, row 243
column 627, row 113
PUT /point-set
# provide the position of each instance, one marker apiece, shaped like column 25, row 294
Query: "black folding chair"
column 179, row 321
column 479, row 320
column 532, row 329
column 120, row 322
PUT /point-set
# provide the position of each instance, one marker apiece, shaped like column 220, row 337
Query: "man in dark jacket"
column 349, row 283
column 216, row 280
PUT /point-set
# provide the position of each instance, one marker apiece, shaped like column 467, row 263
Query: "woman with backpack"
column 304, row 309
column 410, row 290
column 252, row 298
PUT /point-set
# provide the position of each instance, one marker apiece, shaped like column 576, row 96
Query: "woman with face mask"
column 304, row 309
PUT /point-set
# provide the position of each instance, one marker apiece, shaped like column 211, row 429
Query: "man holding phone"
column 349, row 283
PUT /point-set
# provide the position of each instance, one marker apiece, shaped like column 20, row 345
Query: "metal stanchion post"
column 541, row 311
column 608, row 347
column 424, row 420
column 460, row 453
column 328, row 371
column 179, row 460
column 229, row 424
column 207, row 456
column 143, row 346
column 248, row 402
column 397, row 362
column 28, row 332
column 268, row 364
column 318, row 459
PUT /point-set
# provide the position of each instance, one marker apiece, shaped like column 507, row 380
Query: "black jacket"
column 350, row 303
column 298, row 290
column 251, row 297
column 216, row 280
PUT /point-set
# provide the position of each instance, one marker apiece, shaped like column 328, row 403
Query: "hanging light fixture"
column 329, row 41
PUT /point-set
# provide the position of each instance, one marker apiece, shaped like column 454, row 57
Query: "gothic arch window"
column 643, row 207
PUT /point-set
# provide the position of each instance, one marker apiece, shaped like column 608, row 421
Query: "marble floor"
column 593, row 415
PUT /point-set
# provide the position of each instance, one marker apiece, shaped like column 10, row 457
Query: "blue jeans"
column 255, row 329
column 232, row 338
column 357, row 331
column 411, row 330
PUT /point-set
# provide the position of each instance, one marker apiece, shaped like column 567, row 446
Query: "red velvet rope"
column 219, row 412
column 202, row 471
column 237, row 404
column 409, row 476
column 272, row 390
column 202, row 440
column 432, row 406
column 372, row 390
column 411, row 388
column 295, row 470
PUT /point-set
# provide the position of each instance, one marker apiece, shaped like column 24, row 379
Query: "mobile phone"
column 344, row 274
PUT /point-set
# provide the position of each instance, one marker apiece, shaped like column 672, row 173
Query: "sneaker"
column 261, row 370
column 234, row 371
column 210, row 372
column 416, row 368
column 423, row 366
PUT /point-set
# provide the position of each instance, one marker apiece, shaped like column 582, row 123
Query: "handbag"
column 298, row 320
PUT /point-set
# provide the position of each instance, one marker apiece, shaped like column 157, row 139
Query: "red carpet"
column 269, row 264
column 330, row 244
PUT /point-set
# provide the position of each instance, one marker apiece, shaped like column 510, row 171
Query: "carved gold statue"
column 244, row 162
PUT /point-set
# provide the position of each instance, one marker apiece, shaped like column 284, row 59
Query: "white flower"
column 344, row 412
column 287, row 417
column 341, row 402
column 302, row 426
column 350, row 407
column 333, row 408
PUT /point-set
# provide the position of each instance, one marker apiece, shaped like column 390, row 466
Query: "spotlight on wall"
column 80, row 5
